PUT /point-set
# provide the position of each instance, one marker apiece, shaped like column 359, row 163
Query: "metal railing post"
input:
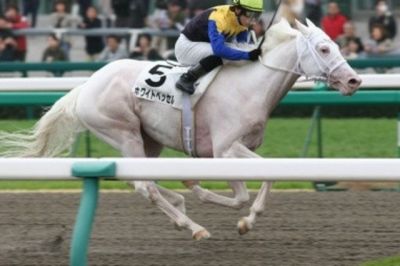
column 90, row 171
column 310, row 132
column 84, row 221
column 398, row 135
column 319, row 134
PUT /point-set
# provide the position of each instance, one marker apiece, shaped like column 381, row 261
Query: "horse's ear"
column 310, row 24
column 302, row 28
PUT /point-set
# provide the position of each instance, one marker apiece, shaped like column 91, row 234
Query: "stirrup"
column 185, row 86
column 185, row 89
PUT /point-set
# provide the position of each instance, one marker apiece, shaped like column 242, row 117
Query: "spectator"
column 198, row 6
column 16, row 22
column 5, row 28
column 113, row 51
column 94, row 44
column 144, row 51
column 121, row 10
column 384, row 17
column 159, row 19
column 8, row 49
column 313, row 11
column 130, row 13
column 380, row 42
column 139, row 10
column 53, row 52
column 83, row 6
column 31, row 7
column 349, row 41
column 182, row 3
column 60, row 18
column 177, row 20
column 352, row 50
column 107, row 13
column 334, row 21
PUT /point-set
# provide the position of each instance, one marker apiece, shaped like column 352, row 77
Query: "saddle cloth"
column 157, row 83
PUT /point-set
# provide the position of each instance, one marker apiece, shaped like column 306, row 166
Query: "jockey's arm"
column 218, row 44
column 243, row 37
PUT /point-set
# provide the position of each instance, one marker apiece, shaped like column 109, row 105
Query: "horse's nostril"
column 354, row 82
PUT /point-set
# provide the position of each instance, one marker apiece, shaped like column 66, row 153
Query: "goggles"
column 254, row 15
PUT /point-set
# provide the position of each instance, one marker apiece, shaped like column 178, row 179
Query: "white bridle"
column 306, row 47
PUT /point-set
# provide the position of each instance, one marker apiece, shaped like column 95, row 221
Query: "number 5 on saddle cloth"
column 156, row 83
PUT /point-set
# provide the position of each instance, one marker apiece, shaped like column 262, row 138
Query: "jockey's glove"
column 253, row 55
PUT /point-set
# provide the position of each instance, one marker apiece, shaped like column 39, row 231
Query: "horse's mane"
column 279, row 33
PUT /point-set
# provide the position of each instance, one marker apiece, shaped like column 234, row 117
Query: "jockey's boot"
column 187, row 80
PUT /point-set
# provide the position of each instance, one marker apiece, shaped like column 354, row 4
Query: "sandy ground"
column 297, row 229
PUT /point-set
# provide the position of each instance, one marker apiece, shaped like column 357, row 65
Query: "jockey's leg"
column 206, row 65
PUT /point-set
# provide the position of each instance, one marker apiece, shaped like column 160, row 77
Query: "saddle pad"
column 157, row 83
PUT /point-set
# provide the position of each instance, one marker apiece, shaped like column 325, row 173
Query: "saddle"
column 157, row 82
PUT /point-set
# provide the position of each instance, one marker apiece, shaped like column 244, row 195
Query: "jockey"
column 206, row 39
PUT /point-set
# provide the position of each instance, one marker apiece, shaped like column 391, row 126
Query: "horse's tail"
column 52, row 134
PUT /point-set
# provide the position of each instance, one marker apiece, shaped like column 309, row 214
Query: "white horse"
column 230, row 118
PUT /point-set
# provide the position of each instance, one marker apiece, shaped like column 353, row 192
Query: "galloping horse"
column 230, row 118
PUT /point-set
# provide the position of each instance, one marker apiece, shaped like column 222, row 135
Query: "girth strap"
column 188, row 126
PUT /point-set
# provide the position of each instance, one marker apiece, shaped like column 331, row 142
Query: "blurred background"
column 365, row 19
column 75, row 38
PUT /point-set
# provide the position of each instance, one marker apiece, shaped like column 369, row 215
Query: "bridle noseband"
column 307, row 44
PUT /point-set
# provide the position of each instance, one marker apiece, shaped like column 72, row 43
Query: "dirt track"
column 297, row 229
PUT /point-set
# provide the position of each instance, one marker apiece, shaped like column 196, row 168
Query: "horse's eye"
column 325, row 50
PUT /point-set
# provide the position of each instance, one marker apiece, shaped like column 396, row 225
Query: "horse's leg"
column 241, row 195
column 151, row 192
column 238, row 150
column 153, row 150
column 132, row 146
column 119, row 126
column 246, row 223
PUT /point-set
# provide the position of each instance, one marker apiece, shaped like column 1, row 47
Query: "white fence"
column 386, row 81
column 210, row 169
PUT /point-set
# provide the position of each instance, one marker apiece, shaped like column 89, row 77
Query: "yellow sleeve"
column 218, row 15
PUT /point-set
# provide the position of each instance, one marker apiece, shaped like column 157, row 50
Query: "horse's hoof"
column 202, row 234
column 244, row 226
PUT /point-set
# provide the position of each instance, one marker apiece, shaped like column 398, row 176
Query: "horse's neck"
column 272, row 84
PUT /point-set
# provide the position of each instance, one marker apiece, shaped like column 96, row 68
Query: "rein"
column 270, row 23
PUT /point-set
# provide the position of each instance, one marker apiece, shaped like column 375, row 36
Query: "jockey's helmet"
column 250, row 5
column 250, row 8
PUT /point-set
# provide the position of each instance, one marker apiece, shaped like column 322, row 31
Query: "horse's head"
column 320, row 58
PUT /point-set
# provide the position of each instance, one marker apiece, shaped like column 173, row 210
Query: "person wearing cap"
column 385, row 18
column 210, row 36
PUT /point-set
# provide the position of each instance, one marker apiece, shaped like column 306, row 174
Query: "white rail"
column 386, row 81
column 211, row 169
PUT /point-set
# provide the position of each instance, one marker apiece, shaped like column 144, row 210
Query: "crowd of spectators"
column 382, row 29
column 166, row 15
